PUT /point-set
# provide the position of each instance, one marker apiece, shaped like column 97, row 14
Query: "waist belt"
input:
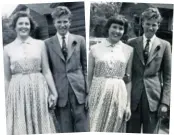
column 25, row 72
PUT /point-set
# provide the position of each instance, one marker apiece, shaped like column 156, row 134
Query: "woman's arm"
column 7, row 71
column 91, row 65
column 47, row 73
column 129, row 73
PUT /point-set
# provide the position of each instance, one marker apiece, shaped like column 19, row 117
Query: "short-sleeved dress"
column 108, row 93
column 26, row 99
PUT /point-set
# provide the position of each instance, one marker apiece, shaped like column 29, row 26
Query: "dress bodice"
column 110, row 62
column 25, row 57
column 25, row 66
column 104, row 69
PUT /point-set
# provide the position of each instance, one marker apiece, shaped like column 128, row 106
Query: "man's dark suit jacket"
column 153, row 77
column 72, row 71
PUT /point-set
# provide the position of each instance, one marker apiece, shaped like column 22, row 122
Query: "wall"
column 42, row 31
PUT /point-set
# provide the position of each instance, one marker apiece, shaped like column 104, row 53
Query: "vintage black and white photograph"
column 45, row 68
column 55, row 81
column 129, row 67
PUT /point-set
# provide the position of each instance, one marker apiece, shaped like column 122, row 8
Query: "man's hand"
column 52, row 101
column 162, row 111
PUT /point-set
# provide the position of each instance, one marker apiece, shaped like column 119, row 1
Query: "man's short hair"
column 61, row 11
column 151, row 13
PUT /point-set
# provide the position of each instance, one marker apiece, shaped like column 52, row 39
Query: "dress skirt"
column 107, row 103
column 27, row 105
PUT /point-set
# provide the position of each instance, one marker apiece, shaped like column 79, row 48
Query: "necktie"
column 64, row 48
column 146, row 51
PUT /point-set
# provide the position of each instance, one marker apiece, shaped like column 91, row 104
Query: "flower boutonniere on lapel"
column 74, row 43
column 157, row 48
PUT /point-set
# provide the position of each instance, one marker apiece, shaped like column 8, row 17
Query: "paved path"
column 163, row 130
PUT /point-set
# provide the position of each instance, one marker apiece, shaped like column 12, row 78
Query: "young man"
column 68, row 63
column 151, row 76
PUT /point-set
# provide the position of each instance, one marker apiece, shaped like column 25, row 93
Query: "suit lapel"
column 71, row 46
column 154, row 50
column 139, row 49
column 56, row 47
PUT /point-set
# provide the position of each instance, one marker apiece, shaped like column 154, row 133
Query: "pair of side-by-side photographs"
column 57, row 83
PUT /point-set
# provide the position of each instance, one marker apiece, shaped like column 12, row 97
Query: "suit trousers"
column 72, row 117
column 142, row 118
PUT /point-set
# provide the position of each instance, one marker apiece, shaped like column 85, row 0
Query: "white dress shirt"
column 60, row 38
column 150, row 43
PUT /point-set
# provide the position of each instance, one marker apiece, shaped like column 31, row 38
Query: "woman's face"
column 23, row 27
column 115, row 32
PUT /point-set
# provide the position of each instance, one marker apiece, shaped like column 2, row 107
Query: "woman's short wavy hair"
column 19, row 14
column 151, row 13
column 118, row 19
column 61, row 11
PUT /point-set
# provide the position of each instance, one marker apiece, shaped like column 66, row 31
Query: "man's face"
column 150, row 27
column 62, row 24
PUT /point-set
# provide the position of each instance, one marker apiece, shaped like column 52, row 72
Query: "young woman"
column 109, row 78
column 30, row 90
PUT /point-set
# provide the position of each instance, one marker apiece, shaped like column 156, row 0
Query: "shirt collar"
column 60, row 36
column 27, row 41
column 112, row 45
column 151, row 40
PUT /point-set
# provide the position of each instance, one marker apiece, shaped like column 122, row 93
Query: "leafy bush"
column 99, row 14
column 8, row 33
